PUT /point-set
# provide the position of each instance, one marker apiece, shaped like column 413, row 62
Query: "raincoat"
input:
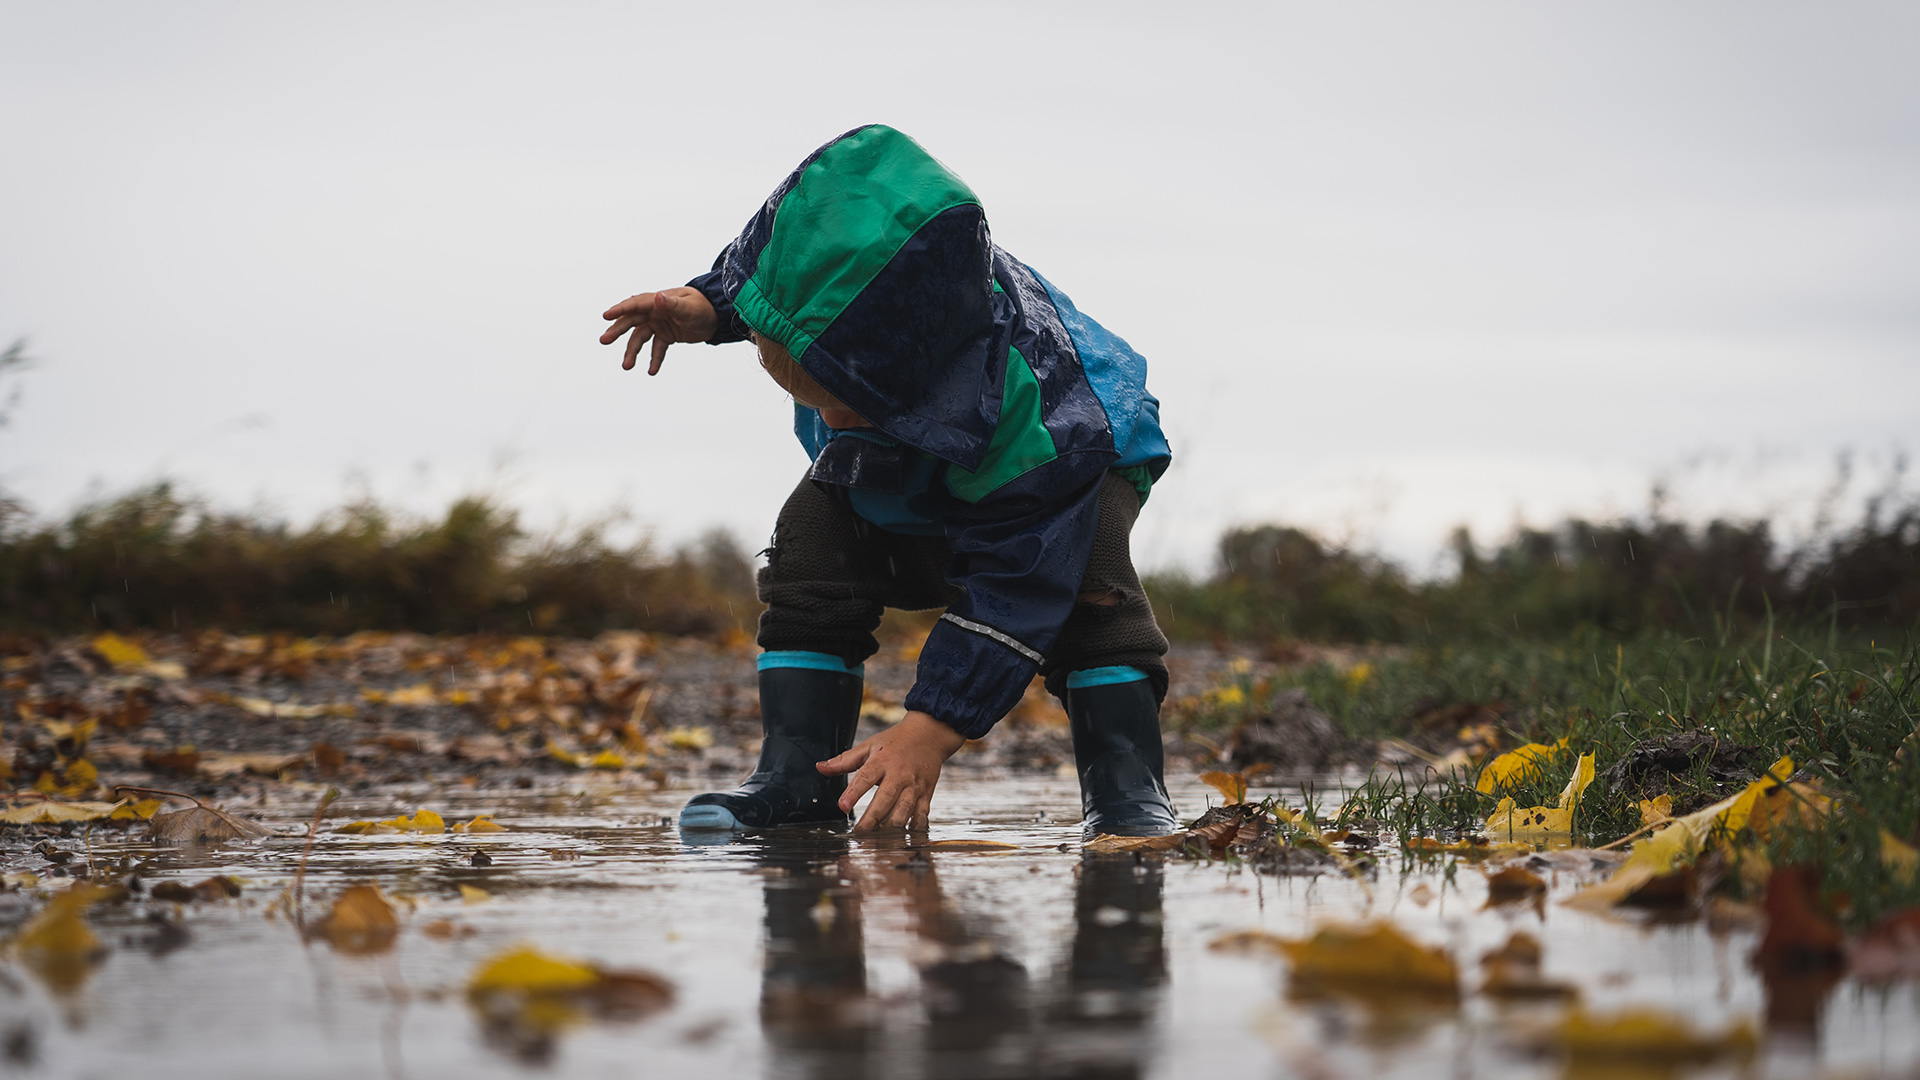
column 997, row 407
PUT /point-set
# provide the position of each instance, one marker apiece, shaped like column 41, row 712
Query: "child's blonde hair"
column 792, row 377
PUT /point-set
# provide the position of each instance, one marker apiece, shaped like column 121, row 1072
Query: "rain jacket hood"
column 873, row 265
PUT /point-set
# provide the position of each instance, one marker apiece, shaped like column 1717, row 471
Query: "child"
column 978, row 445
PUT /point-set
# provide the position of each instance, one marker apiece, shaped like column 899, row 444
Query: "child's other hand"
column 666, row 316
column 901, row 766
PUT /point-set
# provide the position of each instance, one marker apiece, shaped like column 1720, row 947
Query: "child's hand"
column 901, row 765
column 666, row 316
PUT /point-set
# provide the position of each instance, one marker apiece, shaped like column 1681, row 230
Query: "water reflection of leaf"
column 525, row 997
column 362, row 921
column 1372, row 961
column 57, row 944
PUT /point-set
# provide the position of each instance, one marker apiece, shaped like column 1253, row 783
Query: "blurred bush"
column 1274, row 583
column 157, row 559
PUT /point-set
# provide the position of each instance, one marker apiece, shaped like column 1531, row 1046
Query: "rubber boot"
column 809, row 708
column 1116, row 747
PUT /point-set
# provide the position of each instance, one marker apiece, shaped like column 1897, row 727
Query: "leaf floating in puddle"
column 203, row 825
column 481, row 823
column 473, row 894
column 362, row 921
column 426, row 821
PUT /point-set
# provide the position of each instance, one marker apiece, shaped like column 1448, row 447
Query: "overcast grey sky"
column 1394, row 266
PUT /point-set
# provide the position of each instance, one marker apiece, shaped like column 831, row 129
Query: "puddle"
column 824, row 955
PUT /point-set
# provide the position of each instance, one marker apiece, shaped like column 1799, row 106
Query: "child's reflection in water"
column 984, row 1016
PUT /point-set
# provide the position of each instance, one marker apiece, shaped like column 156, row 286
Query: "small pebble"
column 481, row 858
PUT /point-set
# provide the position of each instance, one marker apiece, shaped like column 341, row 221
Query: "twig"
column 1636, row 834
column 161, row 791
column 300, row 873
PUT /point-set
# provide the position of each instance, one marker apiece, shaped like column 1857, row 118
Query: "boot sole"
column 709, row 817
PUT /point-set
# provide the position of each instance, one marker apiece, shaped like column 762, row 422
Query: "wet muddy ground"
column 823, row 954
column 998, row 946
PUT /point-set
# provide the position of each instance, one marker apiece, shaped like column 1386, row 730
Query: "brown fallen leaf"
column 1211, row 836
column 446, row 930
column 362, row 921
column 184, row 760
column 203, row 825
column 328, row 758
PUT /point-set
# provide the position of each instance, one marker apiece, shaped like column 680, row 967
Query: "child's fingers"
column 885, row 798
column 637, row 304
column 844, row 763
column 621, row 326
column 634, row 341
column 857, row 785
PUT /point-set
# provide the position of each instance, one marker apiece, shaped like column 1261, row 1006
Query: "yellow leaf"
column 121, row 652
column 1655, row 810
column 419, row 694
column 481, row 823
column 689, row 738
column 426, row 821
column 526, row 971
column 1232, row 786
column 1898, row 856
column 140, row 811
column 81, row 773
column 53, row 813
column 607, row 759
column 473, row 895
column 362, row 828
column 1680, row 843
column 1517, row 765
column 1376, row 960
column 1508, row 822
